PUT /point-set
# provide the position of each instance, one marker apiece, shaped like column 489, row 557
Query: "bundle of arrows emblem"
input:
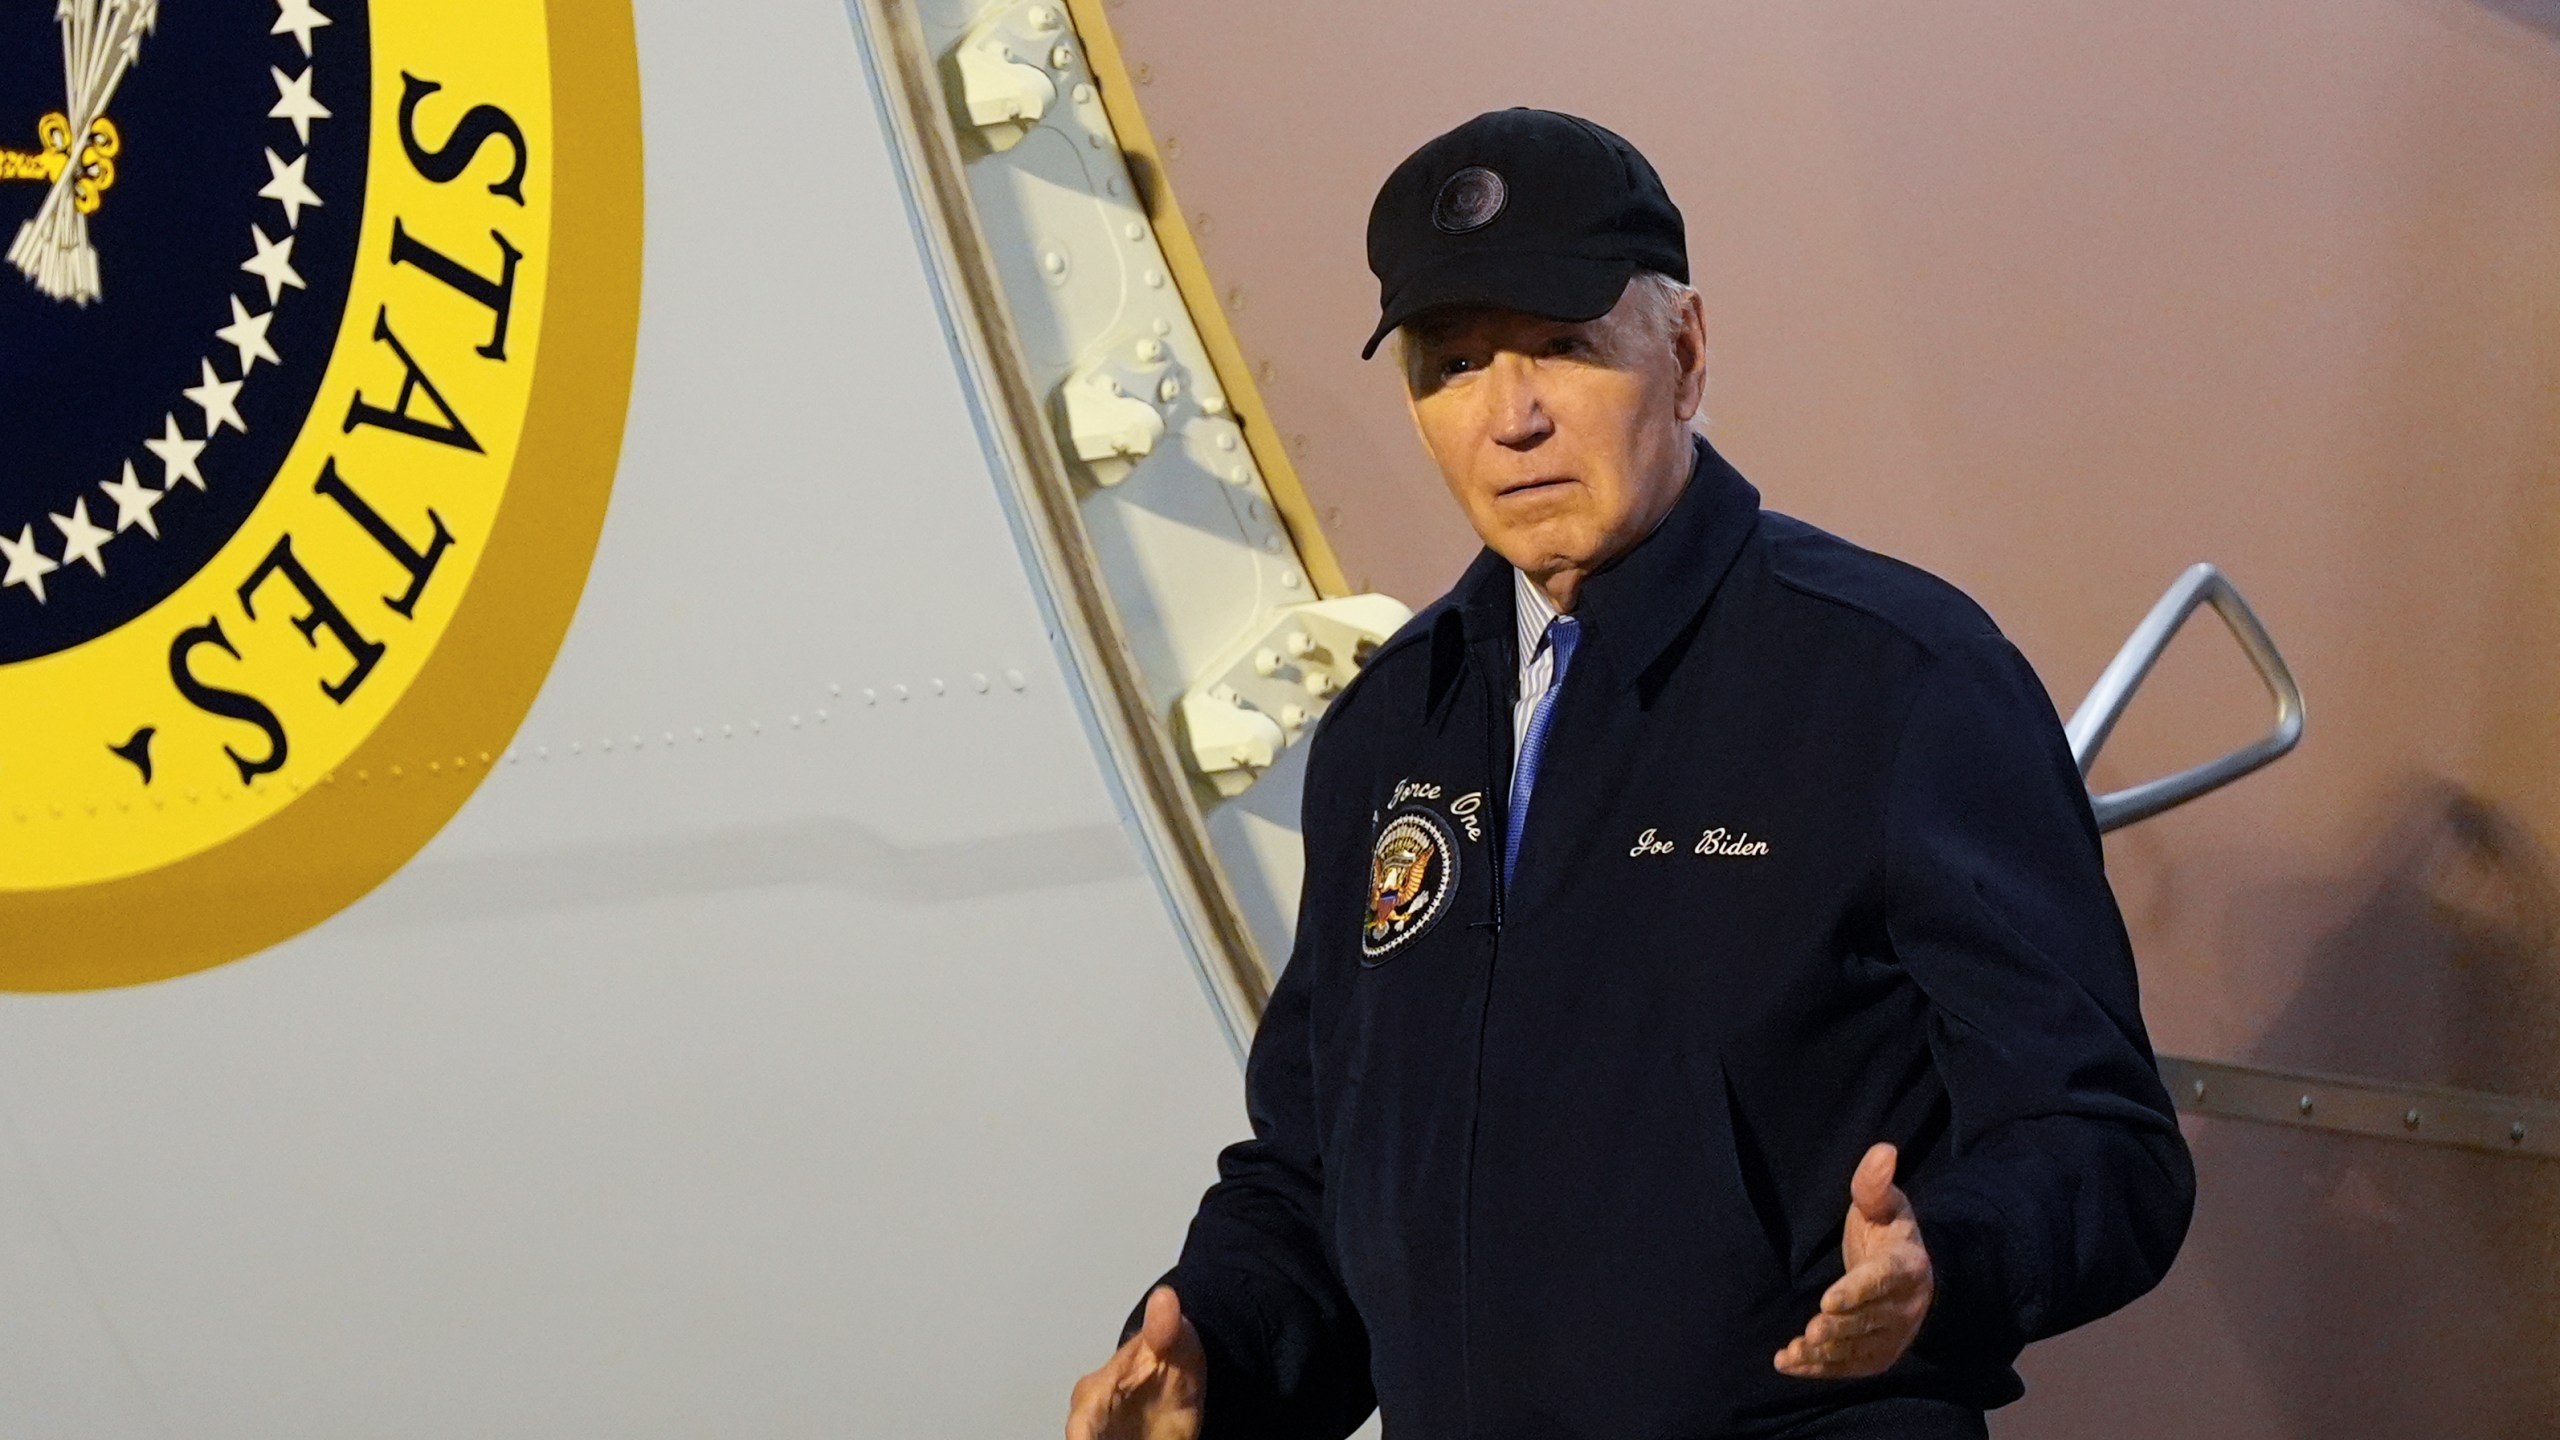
column 75, row 154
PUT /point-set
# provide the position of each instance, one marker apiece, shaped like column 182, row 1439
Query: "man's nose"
column 1520, row 417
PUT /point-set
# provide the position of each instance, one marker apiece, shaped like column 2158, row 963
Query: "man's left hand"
column 1871, row 1313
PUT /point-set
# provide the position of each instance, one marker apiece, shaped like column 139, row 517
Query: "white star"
column 273, row 263
column 247, row 334
column 220, row 401
column 177, row 454
column 286, row 187
column 294, row 102
column 27, row 565
column 298, row 19
column 134, row 501
column 80, row 539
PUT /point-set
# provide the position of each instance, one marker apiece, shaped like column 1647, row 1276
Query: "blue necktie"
column 1563, row 633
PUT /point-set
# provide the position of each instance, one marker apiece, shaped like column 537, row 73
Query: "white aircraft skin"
column 832, row 1067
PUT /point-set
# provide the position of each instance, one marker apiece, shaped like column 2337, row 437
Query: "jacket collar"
column 1632, row 611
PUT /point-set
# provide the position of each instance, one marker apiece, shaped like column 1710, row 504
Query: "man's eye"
column 1455, row 365
column 1563, row 345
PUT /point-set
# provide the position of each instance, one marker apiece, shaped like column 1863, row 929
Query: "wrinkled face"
column 1564, row 443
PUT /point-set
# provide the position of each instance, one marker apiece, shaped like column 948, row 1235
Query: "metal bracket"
column 2423, row 1114
column 1270, row 689
column 2202, row 584
column 1000, row 93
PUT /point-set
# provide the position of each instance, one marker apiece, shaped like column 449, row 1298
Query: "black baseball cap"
column 1524, row 209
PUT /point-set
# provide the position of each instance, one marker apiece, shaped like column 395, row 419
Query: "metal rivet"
column 2410, row 1119
column 870, row 696
column 395, row 772
column 755, row 727
column 1169, row 390
column 541, row 752
column 697, row 734
column 937, row 685
column 899, row 690
column 1134, row 230
column 2304, row 1104
column 1084, row 94
column 1162, row 326
column 835, row 688
column 2515, row 1132
column 605, row 745
column 1154, row 279
column 1014, row 679
column 1053, row 262
column 1289, row 580
column 728, row 732
column 433, row 768
column 671, row 737
column 1226, row 439
column 822, row 717
column 980, row 681
column 2199, row 1089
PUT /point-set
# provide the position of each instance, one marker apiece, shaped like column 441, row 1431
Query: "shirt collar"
column 1535, row 613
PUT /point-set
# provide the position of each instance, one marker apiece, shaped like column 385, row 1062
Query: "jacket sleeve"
column 1288, row 1356
column 2068, row 1189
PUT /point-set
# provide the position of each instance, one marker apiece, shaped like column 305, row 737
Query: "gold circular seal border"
column 334, row 843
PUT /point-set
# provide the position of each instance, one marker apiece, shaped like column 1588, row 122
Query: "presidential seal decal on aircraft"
column 1412, row 869
column 315, row 338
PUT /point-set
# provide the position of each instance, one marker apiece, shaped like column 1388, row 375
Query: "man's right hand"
column 1151, row 1388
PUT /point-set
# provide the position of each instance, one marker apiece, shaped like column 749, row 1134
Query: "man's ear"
column 1689, row 352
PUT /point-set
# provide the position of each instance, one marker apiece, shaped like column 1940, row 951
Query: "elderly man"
column 1709, row 1016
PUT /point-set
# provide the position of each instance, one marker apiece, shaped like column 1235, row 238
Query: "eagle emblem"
column 1412, row 869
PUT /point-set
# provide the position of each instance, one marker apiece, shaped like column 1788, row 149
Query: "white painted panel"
column 844, row 1077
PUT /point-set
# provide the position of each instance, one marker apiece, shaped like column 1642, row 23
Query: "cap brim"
column 1555, row 287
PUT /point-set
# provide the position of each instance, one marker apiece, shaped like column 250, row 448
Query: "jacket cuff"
column 1973, row 1313
column 1235, row 1401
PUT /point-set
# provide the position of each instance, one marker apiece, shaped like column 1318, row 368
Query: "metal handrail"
column 2090, row 725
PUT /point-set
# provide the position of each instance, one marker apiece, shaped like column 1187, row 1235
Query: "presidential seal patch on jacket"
column 1413, row 868
column 316, row 323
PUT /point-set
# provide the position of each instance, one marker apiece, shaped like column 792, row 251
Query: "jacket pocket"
column 1739, row 1167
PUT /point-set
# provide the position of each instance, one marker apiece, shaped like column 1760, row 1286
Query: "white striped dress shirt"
column 1537, row 662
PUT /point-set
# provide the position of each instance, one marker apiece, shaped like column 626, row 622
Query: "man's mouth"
column 1539, row 485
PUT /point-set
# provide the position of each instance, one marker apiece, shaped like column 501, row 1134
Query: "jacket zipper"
column 1496, row 731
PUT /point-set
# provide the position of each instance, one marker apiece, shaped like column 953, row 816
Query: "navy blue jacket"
column 1809, row 866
